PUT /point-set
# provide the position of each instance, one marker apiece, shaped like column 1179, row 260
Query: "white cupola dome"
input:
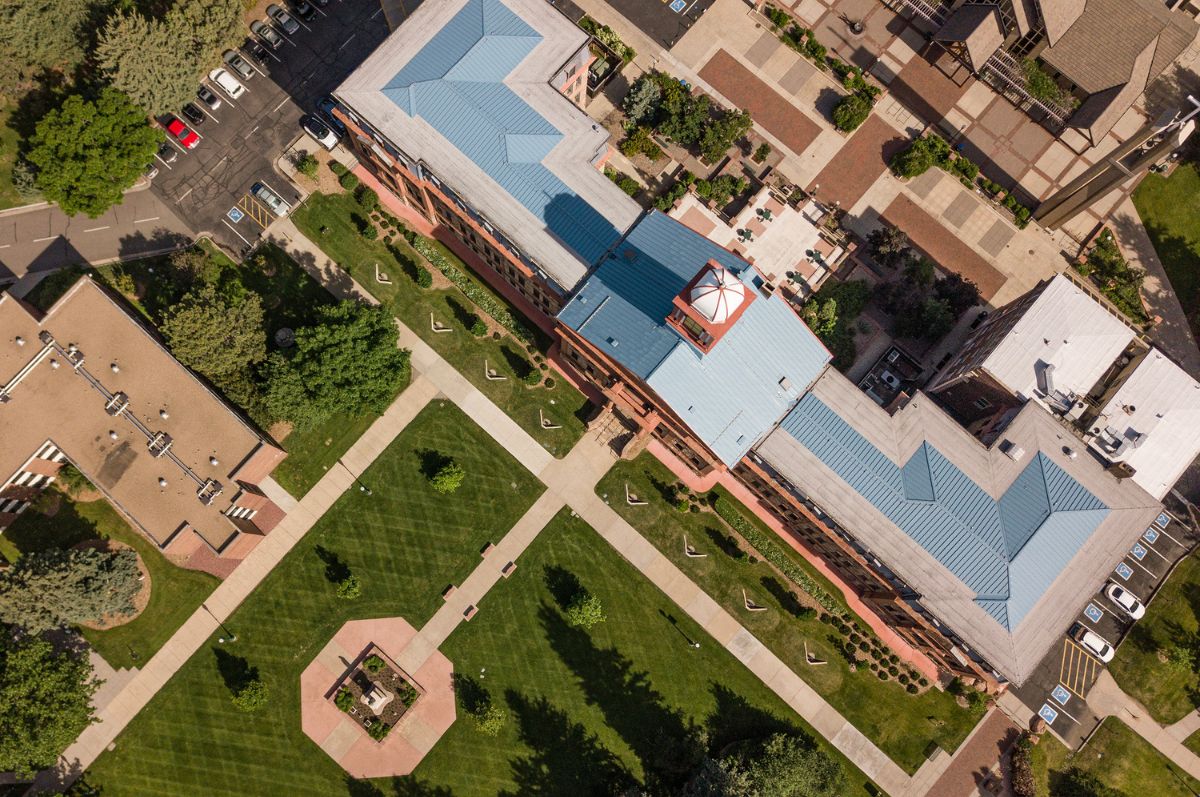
column 717, row 295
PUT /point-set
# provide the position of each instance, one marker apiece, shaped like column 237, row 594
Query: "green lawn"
column 290, row 298
column 562, row 405
column 174, row 594
column 589, row 709
column 405, row 542
column 1170, row 693
column 1193, row 743
column 1118, row 757
column 901, row 724
column 1170, row 209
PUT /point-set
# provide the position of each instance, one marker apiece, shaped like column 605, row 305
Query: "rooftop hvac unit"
column 117, row 404
column 209, row 491
column 1012, row 450
column 159, row 444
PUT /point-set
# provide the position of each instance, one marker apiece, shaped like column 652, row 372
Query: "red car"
column 183, row 133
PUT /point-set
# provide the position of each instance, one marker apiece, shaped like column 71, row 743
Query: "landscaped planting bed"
column 376, row 672
column 805, row 616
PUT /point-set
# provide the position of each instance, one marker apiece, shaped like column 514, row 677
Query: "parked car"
column 286, row 22
column 304, row 10
column 1126, row 600
column 239, row 64
column 183, row 134
column 326, row 106
column 270, row 199
column 321, row 3
column 254, row 49
column 266, row 34
column 227, row 82
column 166, row 153
column 150, row 171
column 1094, row 643
column 322, row 134
column 194, row 114
column 206, row 96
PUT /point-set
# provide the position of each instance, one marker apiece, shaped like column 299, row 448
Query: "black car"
column 256, row 51
column 321, row 3
column 208, row 98
column 304, row 10
column 167, row 153
column 326, row 106
column 194, row 114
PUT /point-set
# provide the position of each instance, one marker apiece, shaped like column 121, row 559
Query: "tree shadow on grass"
column 432, row 461
column 461, row 313
column 726, row 542
column 401, row 787
column 735, row 720
column 37, row 530
column 787, row 599
column 566, row 758
column 235, row 671
column 562, row 583
column 519, row 365
column 666, row 491
column 668, row 744
column 471, row 694
column 336, row 569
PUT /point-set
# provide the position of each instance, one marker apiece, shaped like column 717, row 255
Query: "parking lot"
column 1058, row 688
column 209, row 185
column 664, row 21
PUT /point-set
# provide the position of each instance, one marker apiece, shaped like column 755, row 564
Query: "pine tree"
column 214, row 334
column 54, row 587
column 39, row 34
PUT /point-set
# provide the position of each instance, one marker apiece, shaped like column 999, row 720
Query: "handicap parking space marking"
column 255, row 210
column 678, row 5
column 1047, row 713
column 1138, row 551
column 1061, row 695
column 1151, row 535
column 1163, row 520
column 1124, row 571
column 1094, row 613
column 235, row 215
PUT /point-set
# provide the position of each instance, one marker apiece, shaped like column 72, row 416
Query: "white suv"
column 1095, row 644
column 227, row 82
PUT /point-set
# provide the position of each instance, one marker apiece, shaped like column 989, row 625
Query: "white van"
column 227, row 82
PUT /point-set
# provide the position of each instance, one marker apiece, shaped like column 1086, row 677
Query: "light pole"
column 229, row 636
column 362, row 488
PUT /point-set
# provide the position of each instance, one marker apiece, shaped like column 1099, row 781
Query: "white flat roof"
column 1067, row 328
column 1161, row 403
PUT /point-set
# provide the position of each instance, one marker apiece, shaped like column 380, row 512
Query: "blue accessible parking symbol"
column 235, row 215
column 1151, row 535
column 678, row 5
column 1047, row 713
column 1163, row 519
column 1124, row 571
column 1061, row 695
column 1139, row 551
column 1093, row 613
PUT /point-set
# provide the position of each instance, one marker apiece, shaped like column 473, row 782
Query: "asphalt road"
column 243, row 138
column 45, row 238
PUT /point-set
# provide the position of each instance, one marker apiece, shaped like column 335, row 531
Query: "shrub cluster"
column 482, row 299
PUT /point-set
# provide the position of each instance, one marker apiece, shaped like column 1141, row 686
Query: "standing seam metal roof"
column 1007, row 551
column 729, row 396
column 455, row 83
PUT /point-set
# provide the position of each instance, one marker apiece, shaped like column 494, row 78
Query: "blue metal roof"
column 737, row 391
column 455, row 83
column 1007, row 552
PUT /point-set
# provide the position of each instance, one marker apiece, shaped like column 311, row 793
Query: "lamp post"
column 229, row 636
column 362, row 488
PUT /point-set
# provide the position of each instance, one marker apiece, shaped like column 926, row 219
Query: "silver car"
column 283, row 19
column 266, row 34
column 270, row 199
column 238, row 64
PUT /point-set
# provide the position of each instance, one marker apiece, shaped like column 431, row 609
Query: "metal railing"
column 932, row 11
column 1004, row 72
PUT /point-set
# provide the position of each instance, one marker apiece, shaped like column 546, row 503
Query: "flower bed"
column 376, row 671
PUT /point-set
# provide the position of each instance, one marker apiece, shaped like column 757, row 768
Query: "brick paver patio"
column 952, row 254
column 856, row 167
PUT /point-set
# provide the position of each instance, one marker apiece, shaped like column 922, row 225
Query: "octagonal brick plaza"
column 340, row 736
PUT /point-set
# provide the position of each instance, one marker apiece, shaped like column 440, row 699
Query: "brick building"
column 87, row 384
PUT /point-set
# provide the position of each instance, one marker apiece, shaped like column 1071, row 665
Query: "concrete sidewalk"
column 200, row 627
column 1109, row 700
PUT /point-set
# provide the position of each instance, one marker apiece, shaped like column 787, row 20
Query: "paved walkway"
column 1185, row 727
column 200, row 627
column 1108, row 700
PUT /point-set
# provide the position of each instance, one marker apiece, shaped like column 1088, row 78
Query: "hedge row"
column 482, row 299
column 771, row 551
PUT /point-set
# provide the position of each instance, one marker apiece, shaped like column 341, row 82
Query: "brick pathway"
column 978, row 757
column 860, row 163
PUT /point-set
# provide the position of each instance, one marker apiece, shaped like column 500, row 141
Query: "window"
column 982, row 403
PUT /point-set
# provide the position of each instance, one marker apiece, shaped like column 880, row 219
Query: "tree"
column 449, row 477
column 642, row 101
column 888, row 245
column 71, row 480
column 349, row 588
column 821, row 317
column 489, row 718
column 39, row 34
column 1076, row 782
column 851, row 112
column 189, row 266
column 792, row 765
column 961, row 294
column 930, row 319
column 45, row 702
column 252, row 695
column 720, row 135
column 214, row 334
column 920, row 271
column 348, row 363
column 87, row 152
column 307, row 165
column 52, row 588
column 1023, row 782
column 585, row 610
column 157, row 61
